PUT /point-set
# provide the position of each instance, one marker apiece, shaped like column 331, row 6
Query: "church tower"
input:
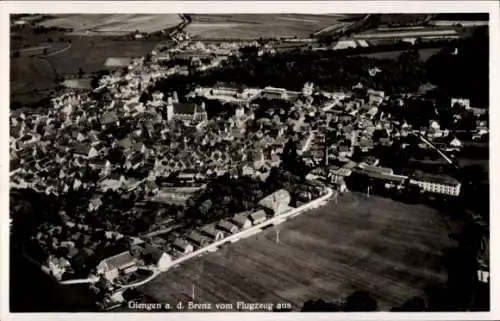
column 170, row 109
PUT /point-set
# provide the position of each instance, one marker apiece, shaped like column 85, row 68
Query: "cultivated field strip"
column 390, row 249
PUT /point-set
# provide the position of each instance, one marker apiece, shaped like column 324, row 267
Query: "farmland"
column 112, row 24
column 394, row 54
column 390, row 249
column 254, row 26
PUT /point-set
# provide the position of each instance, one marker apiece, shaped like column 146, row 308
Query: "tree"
column 415, row 304
column 360, row 301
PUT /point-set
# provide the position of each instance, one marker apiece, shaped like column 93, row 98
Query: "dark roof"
column 14, row 164
column 154, row 252
column 184, row 108
column 209, row 230
column 434, row 178
column 258, row 215
column 109, row 117
column 119, row 260
column 81, row 149
column 240, row 219
column 151, row 185
column 225, row 225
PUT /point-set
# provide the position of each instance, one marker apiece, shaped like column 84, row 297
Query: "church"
column 190, row 113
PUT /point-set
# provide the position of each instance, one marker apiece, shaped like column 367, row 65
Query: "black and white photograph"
column 248, row 162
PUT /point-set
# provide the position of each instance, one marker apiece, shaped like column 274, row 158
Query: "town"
column 135, row 176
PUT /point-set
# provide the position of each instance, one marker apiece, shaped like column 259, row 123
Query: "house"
column 94, row 204
column 211, row 232
column 241, row 220
column 84, row 150
column 227, row 227
column 455, row 143
column 182, row 246
column 156, row 257
column 277, row 202
column 121, row 263
column 151, row 186
column 198, row 239
column 258, row 217
column 461, row 102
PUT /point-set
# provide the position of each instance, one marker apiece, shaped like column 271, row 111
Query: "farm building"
column 198, row 239
column 156, row 257
column 258, row 217
column 277, row 202
column 242, row 221
column 112, row 266
column 183, row 246
column 211, row 232
column 227, row 227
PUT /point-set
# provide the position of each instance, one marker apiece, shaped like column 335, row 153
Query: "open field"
column 390, row 249
column 88, row 53
column 30, row 73
column 254, row 26
column 91, row 53
column 424, row 54
column 421, row 32
column 113, row 24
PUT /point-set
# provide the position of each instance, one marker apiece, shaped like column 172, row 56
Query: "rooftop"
column 434, row 178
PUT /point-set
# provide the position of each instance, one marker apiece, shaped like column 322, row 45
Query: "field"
column 402, row 33
column 393, row 250
column 91, row 53
column 88, row 53
column 254, row 26
column 113, row 24
column 424, row 54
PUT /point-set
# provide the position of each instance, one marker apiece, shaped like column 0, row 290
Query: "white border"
column 8, row 7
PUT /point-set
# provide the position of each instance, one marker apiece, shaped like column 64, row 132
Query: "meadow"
column 112, row 24
column 391, row 249
column 254, row 26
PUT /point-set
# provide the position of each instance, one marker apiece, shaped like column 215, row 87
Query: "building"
column 211, row 232
column 157, row 258
column 274, row 93
column 258, row 217
column 462, row 102
column 241, row 220
column 433, row 183
column 198, row 239
column 182, row 246
column 308, row 88
column 376, row 169
column 187, row 112
column 227, row 227
column 113, row 266
column 277, row 202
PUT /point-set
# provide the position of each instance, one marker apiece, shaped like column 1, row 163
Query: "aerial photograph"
column 249, row 162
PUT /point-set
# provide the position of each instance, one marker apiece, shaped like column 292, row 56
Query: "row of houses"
column 274, row 204
column 125, row 263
